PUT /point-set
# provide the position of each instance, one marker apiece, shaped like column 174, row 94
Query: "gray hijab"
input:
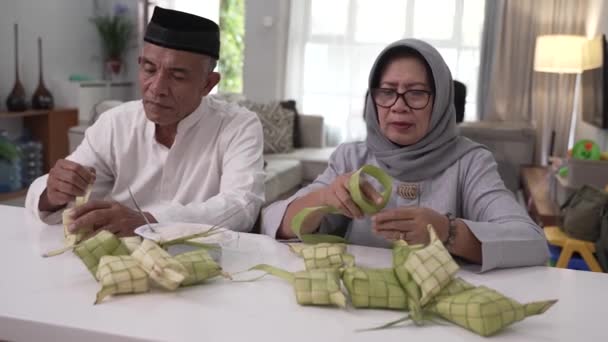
column 441, row 146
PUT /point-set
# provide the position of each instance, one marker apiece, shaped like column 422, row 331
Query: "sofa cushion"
column 277, row 123
column 314, row 160
column 282, row 175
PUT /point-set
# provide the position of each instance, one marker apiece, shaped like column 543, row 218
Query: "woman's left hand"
column 409, row 224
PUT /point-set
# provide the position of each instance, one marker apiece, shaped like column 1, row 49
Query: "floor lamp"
column 566, row 54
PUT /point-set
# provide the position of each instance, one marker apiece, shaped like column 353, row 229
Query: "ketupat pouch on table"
column 456, row 286
column 374, row 288
column 485, row 311
column 131, row 242
column 312, row 287
column 160, row 266
column 431, row 267
column 120, row 275
column 323, row 255
column 93, row 249
column 199, row 265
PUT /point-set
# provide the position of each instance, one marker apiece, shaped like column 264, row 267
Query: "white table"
column 52, row 299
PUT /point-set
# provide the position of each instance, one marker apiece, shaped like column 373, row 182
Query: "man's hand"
column 409, row 224
column 111, row 216
column 66, row 180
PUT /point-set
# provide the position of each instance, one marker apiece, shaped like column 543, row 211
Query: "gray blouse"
column 471, row 189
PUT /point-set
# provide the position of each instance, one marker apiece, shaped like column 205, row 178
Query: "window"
column 332, row 49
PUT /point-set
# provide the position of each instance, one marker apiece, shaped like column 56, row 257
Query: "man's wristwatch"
column 451, row 230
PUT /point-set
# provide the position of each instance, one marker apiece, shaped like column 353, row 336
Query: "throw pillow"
column 291, row 105
column 277, row 123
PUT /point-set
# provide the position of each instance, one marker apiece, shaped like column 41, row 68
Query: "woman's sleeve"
column 272, row 216
column 509, row 238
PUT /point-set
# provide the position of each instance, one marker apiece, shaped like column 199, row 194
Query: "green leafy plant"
column 116, row 31
column 8, row 151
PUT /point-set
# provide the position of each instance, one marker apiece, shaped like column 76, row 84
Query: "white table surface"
column 52, row 299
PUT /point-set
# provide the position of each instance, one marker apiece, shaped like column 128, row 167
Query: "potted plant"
column 115, row 31
column 10, row 176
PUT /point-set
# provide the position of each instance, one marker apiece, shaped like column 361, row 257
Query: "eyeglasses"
column 415, row 99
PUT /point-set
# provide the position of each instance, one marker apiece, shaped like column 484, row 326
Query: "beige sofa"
column 285, row 172
column 512, row 143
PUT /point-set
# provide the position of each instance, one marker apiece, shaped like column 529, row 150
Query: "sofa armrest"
column 312, row 133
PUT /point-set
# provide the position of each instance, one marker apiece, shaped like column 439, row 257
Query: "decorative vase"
column 113, row 67
column 16, row 99
column 42, row 98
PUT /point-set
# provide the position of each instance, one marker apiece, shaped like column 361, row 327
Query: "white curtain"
column 509, row 89
column 332, row 45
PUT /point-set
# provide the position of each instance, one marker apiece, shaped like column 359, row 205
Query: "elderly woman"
column 440, row 178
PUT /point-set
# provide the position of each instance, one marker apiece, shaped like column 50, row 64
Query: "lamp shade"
column 567, row 54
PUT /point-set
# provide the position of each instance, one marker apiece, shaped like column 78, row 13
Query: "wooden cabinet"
column 50, row 127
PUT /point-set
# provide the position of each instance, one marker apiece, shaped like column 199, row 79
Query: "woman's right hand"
column 338, row 196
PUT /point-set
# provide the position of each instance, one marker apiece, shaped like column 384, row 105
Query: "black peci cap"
column 183, row 31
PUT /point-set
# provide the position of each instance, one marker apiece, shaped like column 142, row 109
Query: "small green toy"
column 585, row 150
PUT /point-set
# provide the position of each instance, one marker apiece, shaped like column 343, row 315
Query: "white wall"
column 597, row 23
column 265, row 48
column 70, row 46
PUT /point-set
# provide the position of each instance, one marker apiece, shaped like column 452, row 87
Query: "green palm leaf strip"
column 357, row 196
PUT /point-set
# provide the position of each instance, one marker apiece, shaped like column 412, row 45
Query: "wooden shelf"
column 32, row 112
column 50, row 127
column 5, row 196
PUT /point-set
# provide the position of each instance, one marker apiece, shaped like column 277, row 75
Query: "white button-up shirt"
column 213, row 172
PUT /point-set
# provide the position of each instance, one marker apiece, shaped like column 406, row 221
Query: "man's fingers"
column 92, row 219
column 370, row 193
column 67, row 188
column 83, row 172
column 68, row 177
column 56, row 196
column 90, row 206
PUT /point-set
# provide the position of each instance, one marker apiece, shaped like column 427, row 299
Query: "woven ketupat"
column 73, row 238
column 323, row 255
column 374, row 288
column 131, row 242
column 120, row 274
column 103, row 243
column 456, row 286
column 70, row 239
column 485, row 311
column 312, row 287
column 199, row 265
column 319, row 287
column 162, row 267
column 431, row 267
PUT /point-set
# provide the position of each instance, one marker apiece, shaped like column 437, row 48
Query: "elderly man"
column 185, row 156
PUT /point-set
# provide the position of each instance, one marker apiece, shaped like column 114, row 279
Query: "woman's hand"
column 409, row 224
column 338, row 196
